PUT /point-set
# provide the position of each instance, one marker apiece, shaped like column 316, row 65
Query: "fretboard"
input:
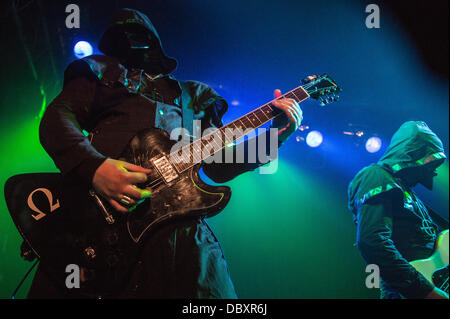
column 215, row 141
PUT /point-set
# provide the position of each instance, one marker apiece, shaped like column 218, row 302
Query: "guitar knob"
column 90, row 253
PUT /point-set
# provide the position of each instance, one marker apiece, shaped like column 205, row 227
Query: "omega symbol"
column 49, row 196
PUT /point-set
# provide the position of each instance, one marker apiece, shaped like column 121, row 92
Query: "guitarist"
column 113, row 96
column 393, row 225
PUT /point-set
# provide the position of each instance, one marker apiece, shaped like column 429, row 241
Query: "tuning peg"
column 333, row 98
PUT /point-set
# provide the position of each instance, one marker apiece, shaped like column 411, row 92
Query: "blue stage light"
column 314, row 138
column 373, row 144
column 82, row 49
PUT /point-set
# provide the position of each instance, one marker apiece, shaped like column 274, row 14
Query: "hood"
column 410, row 145
column 126, row 17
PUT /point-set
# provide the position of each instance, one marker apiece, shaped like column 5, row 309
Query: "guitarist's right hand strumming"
column 116, row 182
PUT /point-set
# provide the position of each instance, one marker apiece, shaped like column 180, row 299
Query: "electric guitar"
column 435, row 268
column 67, row 224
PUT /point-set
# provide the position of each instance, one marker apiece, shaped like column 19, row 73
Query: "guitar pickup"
column 165, row 168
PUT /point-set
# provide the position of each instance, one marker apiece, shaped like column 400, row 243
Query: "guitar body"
column 64, row 223
column 435, row 268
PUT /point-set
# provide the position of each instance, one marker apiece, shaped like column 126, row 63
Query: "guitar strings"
column 159, row 180
column 444, row 286
column 303, row 87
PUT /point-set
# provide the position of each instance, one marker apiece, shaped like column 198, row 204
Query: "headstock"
column 321, row 88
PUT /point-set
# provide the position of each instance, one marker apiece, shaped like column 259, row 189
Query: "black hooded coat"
column 393, row 225
column 113, row 102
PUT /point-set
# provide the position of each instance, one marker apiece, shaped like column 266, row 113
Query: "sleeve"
column 242, row 159
column 374, row 231
column 212, row 104
column 215, row 107
column 60, row 130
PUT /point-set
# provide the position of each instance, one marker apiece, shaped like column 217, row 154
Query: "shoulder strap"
column 187, row 109
column 438, row 219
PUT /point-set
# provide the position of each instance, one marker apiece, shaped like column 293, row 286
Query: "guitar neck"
column 194, row 153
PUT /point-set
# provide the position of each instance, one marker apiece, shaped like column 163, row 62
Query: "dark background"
column 286, row 235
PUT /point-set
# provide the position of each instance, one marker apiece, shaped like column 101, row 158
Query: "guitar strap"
column 187, row 110
column 438, row 219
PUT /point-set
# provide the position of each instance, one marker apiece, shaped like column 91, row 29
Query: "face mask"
column 141, row 50
column 139, row 40
column 428, row 172
column 427, row 179
column 423, row 174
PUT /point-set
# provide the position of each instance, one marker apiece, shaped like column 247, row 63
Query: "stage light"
column 373, row 144
column 303, row 128
column 314, row 138
column 82, row 49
